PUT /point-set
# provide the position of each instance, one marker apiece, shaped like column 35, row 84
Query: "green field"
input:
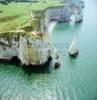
column 15, row 14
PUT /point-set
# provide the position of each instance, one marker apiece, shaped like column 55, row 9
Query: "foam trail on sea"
column 51, row 27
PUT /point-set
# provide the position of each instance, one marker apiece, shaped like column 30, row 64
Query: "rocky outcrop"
column 28, row 48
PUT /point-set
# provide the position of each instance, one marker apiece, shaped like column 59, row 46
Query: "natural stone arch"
column 72, row 18
column 76, row 15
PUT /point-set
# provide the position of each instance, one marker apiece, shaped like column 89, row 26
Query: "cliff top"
column 16, row 14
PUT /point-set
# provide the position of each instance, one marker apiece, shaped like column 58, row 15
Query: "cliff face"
column 63, row 13
column 32, row 51
column 8, row 46
column 29, row 49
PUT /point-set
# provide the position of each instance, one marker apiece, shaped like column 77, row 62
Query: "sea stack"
column 73, row 51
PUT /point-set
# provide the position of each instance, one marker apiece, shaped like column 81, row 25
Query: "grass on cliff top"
column 14, row 14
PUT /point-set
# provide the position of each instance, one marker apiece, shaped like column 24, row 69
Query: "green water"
column 76, row 79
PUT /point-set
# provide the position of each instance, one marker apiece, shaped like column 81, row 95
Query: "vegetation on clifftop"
column 17, row 14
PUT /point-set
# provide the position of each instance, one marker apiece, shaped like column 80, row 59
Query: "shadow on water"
column 27, row 70
column 45, row 67
column 72, row 60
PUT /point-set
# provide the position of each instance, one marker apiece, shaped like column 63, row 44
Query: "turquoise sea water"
column 76, row 79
